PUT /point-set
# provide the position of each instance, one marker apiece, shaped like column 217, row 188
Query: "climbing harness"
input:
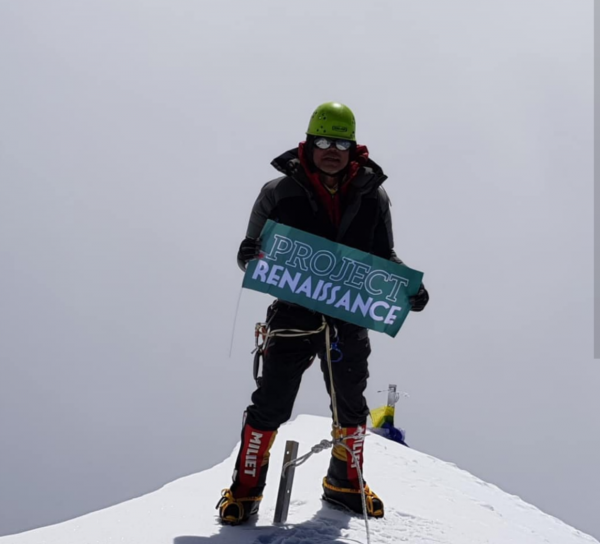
column 263, row 335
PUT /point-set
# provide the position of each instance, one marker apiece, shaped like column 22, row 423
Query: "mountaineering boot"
column 351, row 499
column 234, row 511
column 341, row 486
column 242, row 500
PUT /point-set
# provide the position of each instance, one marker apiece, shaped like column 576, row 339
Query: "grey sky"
column 134, row 137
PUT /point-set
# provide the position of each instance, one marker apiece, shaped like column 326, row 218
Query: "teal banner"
column 332, row 279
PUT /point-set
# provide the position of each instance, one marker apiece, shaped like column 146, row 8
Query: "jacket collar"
column 367, row 176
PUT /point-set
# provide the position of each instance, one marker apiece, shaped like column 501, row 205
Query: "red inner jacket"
column 333, row 202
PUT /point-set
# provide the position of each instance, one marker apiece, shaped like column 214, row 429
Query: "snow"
column 427, row 501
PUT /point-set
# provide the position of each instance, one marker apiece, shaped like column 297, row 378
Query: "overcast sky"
column 135, row 136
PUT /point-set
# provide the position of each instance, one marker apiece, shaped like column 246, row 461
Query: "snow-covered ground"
column 427, row 501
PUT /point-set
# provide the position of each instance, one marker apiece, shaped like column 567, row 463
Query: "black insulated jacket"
column 366, row 222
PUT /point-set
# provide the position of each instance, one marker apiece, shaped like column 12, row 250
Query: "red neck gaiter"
column 333, row 202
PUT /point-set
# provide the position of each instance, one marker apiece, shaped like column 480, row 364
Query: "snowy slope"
column 427, row 501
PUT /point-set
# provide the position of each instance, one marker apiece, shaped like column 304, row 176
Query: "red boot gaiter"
column 342, row 469
column 252, row 462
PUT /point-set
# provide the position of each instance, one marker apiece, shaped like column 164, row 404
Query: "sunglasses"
column 326, row 143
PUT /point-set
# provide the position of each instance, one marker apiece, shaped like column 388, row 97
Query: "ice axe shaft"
column 285, row 483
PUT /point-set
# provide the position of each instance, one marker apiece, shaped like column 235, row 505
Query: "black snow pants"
column 286, row 359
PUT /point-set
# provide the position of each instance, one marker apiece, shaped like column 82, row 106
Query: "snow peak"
column 252, row 453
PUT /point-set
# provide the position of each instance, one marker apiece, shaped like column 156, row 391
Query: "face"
column 331, row 161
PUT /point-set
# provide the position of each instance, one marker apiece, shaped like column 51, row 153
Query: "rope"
column 290, row 333
column 325, row 444
column 237, row 309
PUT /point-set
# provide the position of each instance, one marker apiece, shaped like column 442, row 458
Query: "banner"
column 332, row 279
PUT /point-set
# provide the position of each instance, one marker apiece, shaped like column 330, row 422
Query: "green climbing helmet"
column 333, row 120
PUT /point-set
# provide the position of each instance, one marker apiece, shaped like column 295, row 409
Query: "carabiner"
column 335, row 348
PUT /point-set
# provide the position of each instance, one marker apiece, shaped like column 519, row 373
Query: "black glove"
column 249, row 249
column 420, row 300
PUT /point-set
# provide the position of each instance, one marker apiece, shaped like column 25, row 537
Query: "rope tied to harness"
column 263, row 330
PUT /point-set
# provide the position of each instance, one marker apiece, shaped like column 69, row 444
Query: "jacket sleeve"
column 262, row 210
column 384, row 236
